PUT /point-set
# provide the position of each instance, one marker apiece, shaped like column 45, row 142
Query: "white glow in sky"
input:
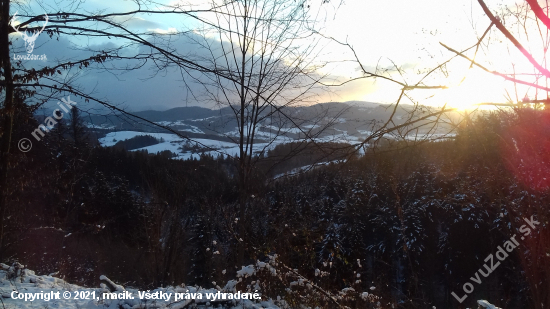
column 408, row 33
column 384, row 34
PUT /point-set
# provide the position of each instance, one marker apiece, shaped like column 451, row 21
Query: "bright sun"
column 477, row 87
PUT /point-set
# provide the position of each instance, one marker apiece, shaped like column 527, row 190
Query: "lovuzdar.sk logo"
column 30, row 39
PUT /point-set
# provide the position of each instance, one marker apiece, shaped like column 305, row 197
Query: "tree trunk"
column 7, row 116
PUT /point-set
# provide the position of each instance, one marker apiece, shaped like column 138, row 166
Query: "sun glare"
column 476, row 88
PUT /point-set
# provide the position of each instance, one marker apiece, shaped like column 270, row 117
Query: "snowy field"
column 174, row 143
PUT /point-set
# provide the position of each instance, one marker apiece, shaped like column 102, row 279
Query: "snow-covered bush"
column 290, row 289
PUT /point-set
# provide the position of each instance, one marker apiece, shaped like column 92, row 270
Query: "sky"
column 386, row 35
column 408, row 33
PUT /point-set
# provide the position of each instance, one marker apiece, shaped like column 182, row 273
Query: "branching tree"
column 529, row 156
column 524, row 28
column 265, row 52
column 46, row 80
column 261, row 60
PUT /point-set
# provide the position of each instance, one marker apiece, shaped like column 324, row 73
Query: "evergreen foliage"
column 413, row 222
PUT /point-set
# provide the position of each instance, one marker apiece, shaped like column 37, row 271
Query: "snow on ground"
column 22, row 288
column 285, row 130
column 230, row 151
column 99, row 126
column 54, row 293
column 204, row 119
column 271, row 136
column 338, row 138
column 164, row 123
column 208, row 146
column 173, row 143
column 172, row 146
column 486, row 304
column 420, row 136
column 188, row 127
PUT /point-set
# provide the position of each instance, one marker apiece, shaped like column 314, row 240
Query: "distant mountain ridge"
column 352, row 120
column 335, row 122
column 177, row 113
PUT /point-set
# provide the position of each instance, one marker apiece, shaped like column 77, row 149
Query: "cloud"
column 164, row 31
column 137, row 22
column 148, row 87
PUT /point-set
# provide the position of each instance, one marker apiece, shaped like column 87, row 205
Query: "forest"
column 393, row 221
column 266, row 154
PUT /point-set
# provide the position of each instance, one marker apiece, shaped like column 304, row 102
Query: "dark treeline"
column 136, row 142
column 410, row 224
